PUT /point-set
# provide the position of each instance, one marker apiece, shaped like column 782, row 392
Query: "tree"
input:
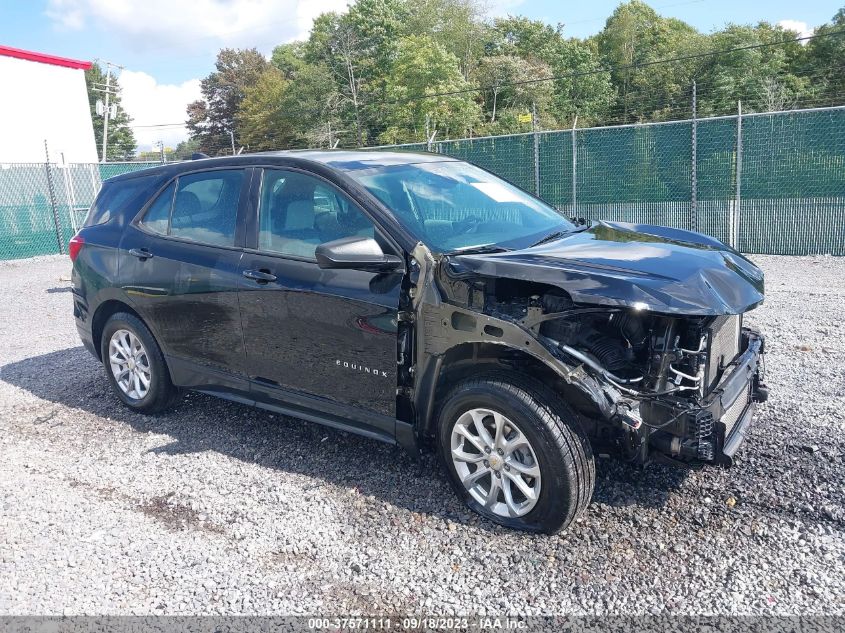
column 262, row 119
column 185, row 149
column 316, row 105
column 529, row 39
column 579, row 90
column 633, row 38
column 825, row 61
column 457, row 25
column 762, row 78
column 121, row 140
column 213, row 118
column 289, row 58
column 425, row 94
column 506, row 82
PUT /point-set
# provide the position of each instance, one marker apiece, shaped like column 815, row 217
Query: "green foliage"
column 506, row 83
column 635, row 37
column 289, row 58
column 759, row 77
column 185, row 150
column 121, row 141
column 262, row 119
column 826, row 57
column 212, row 118
column 579, row 91
column 424, row 68
column 377, row 73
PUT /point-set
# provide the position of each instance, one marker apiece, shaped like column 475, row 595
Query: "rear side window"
column 201, row 207
column 115, row 196
column 206, row 207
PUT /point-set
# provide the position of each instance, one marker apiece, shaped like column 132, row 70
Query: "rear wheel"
column 135, row 365
column 515, row 453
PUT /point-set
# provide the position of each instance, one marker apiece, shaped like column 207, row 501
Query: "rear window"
column 114, row 197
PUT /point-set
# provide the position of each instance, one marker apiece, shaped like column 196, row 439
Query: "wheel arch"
column 105, row 311
column 475, row 359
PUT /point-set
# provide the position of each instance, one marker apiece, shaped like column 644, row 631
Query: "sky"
column 166, row 46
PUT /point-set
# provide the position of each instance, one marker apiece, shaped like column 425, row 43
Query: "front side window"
column 452, row 205
column 297, row 212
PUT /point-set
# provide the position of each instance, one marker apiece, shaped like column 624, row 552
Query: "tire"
column 159, row 393
column 558, row 450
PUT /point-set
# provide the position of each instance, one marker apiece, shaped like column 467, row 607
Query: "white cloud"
column 151, row 103
column 195, row 25
column 802, row 28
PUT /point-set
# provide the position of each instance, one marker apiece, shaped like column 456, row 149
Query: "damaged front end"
column 648, row 385
column 681, row 388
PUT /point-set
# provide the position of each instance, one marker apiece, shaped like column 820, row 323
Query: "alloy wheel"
column 130, row 364
column 495, row 462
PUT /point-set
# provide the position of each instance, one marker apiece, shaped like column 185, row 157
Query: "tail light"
column 74, row 246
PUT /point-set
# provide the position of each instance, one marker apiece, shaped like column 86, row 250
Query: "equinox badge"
column 358, row 367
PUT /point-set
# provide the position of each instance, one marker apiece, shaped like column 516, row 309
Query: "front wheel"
column 515, row 453
column 135, row 365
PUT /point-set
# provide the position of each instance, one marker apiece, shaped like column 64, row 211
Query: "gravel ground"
column 219, row 508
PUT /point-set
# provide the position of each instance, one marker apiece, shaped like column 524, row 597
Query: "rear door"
column 180, row 269
column 323, row 338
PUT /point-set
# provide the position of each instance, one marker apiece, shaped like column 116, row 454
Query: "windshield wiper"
column 480, row 249
column 549, row 238
column 558, row 234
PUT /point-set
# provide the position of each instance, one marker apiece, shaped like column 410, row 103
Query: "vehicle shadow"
column 205, row 423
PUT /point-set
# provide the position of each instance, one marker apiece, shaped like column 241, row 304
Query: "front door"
column 324, row 338
column 179, row 268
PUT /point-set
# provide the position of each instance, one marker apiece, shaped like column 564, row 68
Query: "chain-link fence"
column 42, row 205
column 763, row 183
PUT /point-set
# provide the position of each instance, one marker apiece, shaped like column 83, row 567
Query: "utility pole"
column 107, row 109
column 161, row 151
column 232, row 136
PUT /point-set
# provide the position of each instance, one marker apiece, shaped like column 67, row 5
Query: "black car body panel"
column 638, row 266
column 639, row 327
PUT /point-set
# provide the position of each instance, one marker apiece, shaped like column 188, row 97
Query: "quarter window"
column 298, row 212
column 115, row 196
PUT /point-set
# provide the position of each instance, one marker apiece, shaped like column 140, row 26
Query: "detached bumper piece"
column 714, row 430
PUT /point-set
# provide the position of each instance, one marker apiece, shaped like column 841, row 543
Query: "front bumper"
column 713, row 431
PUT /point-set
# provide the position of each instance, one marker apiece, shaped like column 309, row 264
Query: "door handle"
column 140, row 253
column 262, row 276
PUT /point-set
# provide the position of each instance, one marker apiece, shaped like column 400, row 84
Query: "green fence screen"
column 763, row 183
column 42, row 206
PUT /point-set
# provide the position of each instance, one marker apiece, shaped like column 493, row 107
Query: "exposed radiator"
column 722, row 348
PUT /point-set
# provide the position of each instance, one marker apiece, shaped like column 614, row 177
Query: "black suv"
column 418, row 299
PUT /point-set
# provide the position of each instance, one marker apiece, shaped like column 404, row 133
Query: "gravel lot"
column 219, row 508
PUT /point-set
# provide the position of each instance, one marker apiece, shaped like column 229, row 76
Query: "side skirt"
column 190, row 375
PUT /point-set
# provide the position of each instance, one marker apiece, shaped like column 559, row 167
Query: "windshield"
column 452, row 206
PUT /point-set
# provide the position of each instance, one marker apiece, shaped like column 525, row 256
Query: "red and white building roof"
column 45, row 99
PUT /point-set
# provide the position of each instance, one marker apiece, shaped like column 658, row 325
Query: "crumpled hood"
column 641, row 266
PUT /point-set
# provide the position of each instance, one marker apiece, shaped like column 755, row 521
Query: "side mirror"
column 357, row 253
